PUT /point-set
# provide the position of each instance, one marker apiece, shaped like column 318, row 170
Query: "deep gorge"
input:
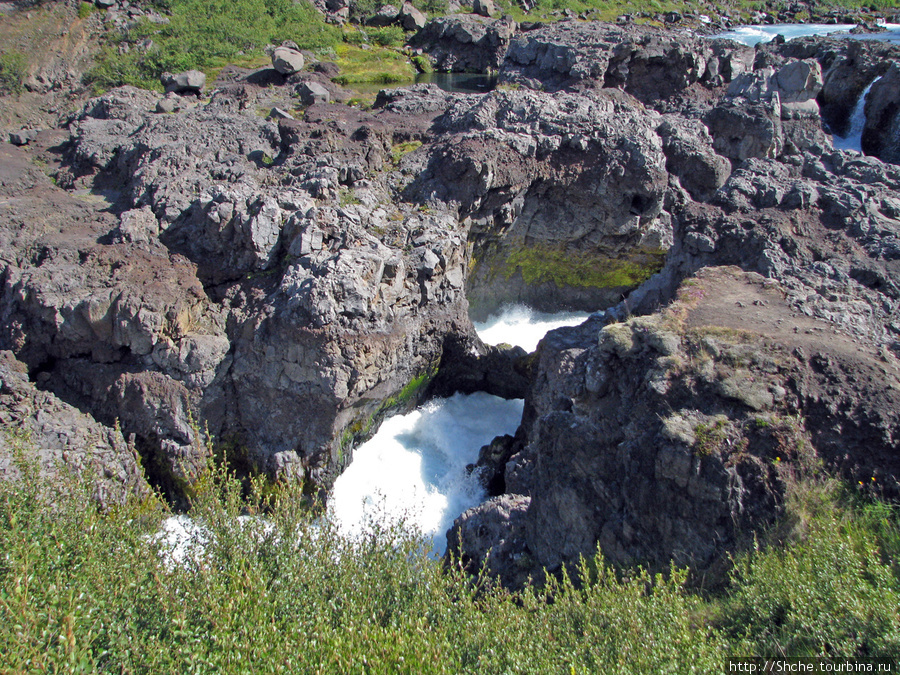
column 287, row 283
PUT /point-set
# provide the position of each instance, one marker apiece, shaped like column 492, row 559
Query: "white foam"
column 752, row 35
column 414, row 469
column 181, row 540
column 521, row 326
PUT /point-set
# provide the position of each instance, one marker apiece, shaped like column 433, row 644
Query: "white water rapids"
column 414, row 468
column 752, row 35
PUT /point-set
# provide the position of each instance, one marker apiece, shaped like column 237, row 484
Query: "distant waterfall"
column 853, row 139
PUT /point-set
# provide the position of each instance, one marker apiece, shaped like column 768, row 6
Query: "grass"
column 88, row 591
column 377, row 65
column 85, row 9
column 206, row 35
column 400, row 150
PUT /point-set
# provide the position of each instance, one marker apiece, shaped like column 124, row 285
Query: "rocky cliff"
column 672, row 436
column 284, row 271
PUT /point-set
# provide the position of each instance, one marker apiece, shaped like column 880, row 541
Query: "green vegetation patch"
column 206, row 35
column 378, row 65
column 402, row 149
column 362, row 427
column 539, row 264
column 85, row 9
column 13, row 70
column 88, row 591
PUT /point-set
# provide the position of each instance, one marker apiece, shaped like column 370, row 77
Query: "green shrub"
column 360, row 10
column 273, row 589
column 388, row 36
column 432, row 7
column 829, row 593
column 85, row 9
column 13, row 70
column 82, row 590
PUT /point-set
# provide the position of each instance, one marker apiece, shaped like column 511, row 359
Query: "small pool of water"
column 461, row 83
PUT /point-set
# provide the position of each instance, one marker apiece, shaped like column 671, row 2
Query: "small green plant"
column 711, row 435
column 402, row 149
column 85, row 9
column 422, row 63
column 13, row 70
column 346, row 197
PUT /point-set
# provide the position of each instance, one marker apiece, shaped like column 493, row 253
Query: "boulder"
column 741, row 129
column 385, row 15
column 493, row 534
column 57, row 439
column 312, row 92
column 411, row 19
column 690, row 156
column 287, row 61
column 880, row 134
column 465, row 43
column 484, row 8
column 169, row 103
column 799, row 81
column 277, row 113
column 22, row 137
column 188, row 82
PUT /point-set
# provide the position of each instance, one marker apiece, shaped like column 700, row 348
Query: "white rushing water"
column 524, row 327
column 753, row 35
column 853, row 139
column 414, row 468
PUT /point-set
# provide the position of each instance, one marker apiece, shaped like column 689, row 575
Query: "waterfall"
column 414, row 468
column 853, row 139
column 524, row 327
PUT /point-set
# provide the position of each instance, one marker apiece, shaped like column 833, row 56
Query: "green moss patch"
column 362, row 427
column 582, row 269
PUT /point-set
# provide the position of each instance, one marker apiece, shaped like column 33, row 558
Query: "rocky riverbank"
column 260, row 260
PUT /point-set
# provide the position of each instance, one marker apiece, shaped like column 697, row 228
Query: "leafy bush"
column 13, row 70
column 829, row 593
column 389, row 36
column 422, row 63
column 269, row 588
column 82, row 591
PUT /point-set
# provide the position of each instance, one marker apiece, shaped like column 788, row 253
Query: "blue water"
column 753, row 35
